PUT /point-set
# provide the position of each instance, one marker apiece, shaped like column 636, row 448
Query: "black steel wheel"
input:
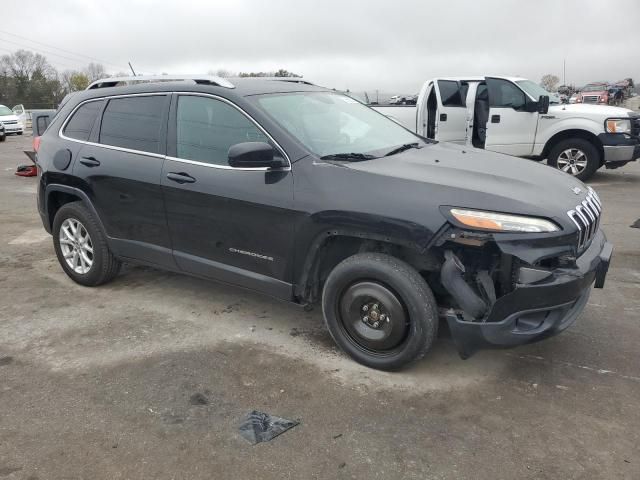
column 380, row 311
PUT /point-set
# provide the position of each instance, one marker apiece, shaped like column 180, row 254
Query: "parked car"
column 10, row 121
column 515, row 116
column 312, row 197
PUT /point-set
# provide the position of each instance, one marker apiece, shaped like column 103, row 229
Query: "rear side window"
column 80, row 125
column 206, row 128
column 451, row 93
column 134, row 123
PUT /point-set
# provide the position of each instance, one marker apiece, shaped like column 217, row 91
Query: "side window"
column 80, row 124
column 504, row 94
column 133, row 122
column 451, row 93
column 206, row 128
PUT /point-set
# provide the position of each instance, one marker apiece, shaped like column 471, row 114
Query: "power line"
column 62, row 49
column 45, row 52
column 56, row 61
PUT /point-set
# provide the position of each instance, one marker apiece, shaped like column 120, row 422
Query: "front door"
column 510, row 128
column 230, row 224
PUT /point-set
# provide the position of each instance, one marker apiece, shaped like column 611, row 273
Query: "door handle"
column 443, row 117
column 90, row 161
column 180, row 177
column 495, row 118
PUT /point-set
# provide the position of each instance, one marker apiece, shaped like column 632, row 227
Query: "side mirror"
column 254, row 155
column 543, row 104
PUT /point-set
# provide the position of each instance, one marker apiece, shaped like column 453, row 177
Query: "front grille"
column 9, row 122
column 635, row 125
column 590, row 98
column 586, row 216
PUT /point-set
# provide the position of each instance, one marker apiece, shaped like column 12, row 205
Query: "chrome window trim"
column 102, row 145
column 167, row 157
column 253, row 120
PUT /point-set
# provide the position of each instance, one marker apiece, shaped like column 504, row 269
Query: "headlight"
column 618, row 125
column 501, row 222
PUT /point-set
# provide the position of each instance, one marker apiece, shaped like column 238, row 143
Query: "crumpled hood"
column 473, row 178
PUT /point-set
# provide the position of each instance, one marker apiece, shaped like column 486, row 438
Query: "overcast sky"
column 390, row 45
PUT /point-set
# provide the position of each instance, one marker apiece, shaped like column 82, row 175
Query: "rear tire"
column 3, row 138
column 576, row 156
column 84, row 256
column 380, row 311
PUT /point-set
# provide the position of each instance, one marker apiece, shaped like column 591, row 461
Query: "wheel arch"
column 574, row 133
column 58, row 195
column 330, row 247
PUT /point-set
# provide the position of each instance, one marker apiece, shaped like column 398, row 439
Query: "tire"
column 393, row 291
column 94, row 268
column 3, row 138
column 581, row 150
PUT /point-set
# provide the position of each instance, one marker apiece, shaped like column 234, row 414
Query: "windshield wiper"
column 402, row 148
column 348, row 156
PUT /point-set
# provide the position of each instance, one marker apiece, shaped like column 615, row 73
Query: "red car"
column 594, row 93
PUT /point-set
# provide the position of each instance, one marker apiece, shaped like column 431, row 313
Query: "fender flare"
column 84, row 198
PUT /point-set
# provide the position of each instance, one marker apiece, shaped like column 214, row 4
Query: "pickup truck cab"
column 515, row 116
column 309, row 196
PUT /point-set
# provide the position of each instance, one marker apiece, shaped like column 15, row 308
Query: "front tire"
column 81, row 247
column 575, row 156
column 380, row 311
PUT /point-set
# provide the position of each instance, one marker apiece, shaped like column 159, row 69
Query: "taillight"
column 36, row 144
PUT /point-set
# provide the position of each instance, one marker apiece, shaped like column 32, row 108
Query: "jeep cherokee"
column 307, row 195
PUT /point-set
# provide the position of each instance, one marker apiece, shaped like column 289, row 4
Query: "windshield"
column 594, row 88
column 535, row 91
column 5, row 111
column 329, row 124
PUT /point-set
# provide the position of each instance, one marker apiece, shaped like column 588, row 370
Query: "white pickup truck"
column 514, row 116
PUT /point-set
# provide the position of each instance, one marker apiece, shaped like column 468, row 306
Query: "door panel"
column 451, row 116
column 123, row 183
column 510, row 129
column 234, row 225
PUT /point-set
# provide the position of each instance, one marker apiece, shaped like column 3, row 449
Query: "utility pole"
column 564, row 71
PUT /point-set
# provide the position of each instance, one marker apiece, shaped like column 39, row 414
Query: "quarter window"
column 80, row 125
column 134, row 123
column 206, row 128
column 503, row 93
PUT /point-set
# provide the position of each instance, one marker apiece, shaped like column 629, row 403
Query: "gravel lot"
column 98, row 383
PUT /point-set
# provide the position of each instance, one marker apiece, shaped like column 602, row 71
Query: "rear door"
column 451, row 116
column 120, row 165
column 229, row 224
column 510, row 128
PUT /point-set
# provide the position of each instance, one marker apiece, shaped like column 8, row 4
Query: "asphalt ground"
column 151, row 375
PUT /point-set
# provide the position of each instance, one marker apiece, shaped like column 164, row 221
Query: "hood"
column 473, row 178
column 588, row 109
column 6, row 118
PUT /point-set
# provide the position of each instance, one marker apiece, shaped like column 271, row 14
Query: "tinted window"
column 206, row 128
column 79, row 127
column 133, row 122
column 503, row 93
column 451, row 93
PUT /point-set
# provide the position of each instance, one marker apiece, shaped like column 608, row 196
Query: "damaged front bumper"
column 538, row 308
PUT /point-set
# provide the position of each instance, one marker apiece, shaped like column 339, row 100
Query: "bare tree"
column 549, row 82
column 95, row 71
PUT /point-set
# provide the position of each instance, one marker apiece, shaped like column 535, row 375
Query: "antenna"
column 132, row 70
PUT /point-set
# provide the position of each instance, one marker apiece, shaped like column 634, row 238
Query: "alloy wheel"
column 572, row 161
column 76, row 246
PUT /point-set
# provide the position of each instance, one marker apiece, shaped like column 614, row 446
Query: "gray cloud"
column 391, row 46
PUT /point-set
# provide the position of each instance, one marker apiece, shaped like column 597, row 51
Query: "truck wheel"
column 575, row 156
column 81, row 247
column 3, row 138
column 380, row 311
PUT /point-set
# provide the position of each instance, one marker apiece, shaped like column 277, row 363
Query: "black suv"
column 307, row 195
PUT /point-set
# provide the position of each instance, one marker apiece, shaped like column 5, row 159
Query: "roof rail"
column 200, row 79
